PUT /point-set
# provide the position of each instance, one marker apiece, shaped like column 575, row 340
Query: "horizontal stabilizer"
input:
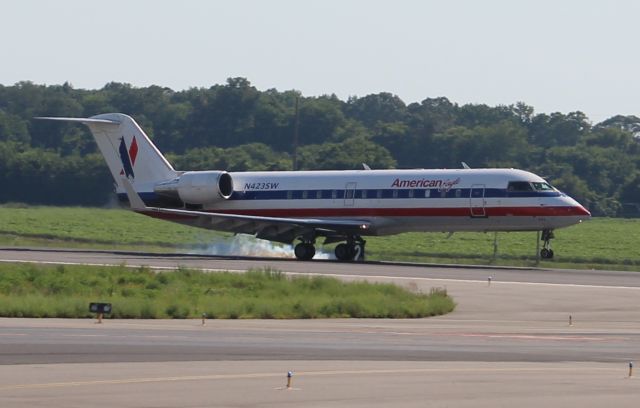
column 81, row 120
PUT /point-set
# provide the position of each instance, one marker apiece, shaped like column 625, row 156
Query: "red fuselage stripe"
column 538, row 211
column 411, row 212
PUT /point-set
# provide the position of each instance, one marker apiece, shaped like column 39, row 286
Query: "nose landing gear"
column 546, row 252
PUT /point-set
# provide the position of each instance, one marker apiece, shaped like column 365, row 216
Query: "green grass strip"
column 28, row 290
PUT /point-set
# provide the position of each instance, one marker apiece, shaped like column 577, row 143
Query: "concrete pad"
column 318, row 383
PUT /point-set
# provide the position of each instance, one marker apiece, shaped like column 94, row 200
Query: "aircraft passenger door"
column 477, row 201
column 349, row 194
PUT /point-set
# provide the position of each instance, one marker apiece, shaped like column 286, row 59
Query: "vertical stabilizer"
column 128, row 151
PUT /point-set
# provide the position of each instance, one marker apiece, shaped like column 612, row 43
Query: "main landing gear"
column 352, row 250
column 305, row 251
column 546, row 252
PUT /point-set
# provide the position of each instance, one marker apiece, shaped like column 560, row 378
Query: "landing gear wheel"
column 344, row 252
column 546, row 252
column 352, row 250
column 304, row 251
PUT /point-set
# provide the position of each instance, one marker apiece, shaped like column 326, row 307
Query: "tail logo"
column 128, row 157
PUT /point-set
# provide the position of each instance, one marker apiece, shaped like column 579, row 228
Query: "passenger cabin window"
column 305, row 194
column 410, row 193
column 395, row 193
column 379, row 194
column 427, row 193
column 334, row 194
column 518, row 186
column 458, row 193
column 319, row 194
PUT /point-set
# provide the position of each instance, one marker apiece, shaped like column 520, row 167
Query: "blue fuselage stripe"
column 385, row 194
column 371, row 194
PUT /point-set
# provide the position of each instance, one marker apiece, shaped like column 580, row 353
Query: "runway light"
column 489, row 279
column 630, row 369
column 570, row 321
column 204, row 319
column 289, row 379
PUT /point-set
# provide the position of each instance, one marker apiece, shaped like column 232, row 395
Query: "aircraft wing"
column 279, row 229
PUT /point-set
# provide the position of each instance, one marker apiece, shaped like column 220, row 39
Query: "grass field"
column 603, row 243
column 65, row 291
column 94, row 228
column 600, row 243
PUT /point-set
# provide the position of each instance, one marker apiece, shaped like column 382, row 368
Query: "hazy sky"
column 560, row 55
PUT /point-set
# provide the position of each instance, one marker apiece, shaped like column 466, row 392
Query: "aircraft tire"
column 344, row 252
column 546, row 253
column 304, row 251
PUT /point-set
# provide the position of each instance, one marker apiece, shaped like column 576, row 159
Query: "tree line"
column 236, row 127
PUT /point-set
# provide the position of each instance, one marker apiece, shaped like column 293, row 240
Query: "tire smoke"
column 247, row 245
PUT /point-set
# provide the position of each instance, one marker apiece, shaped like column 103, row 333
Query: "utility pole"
column 296, row 125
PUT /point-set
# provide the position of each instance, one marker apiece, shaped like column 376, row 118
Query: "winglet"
column 134, row 198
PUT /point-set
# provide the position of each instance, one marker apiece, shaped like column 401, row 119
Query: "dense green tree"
column 372, row 109
column 349, row 154
column 13, row 129
column 254, row 157
column 628, row 123
column 320, row 119
column 473, row 115
column 523, row 112
column 234, row 126
column 558, row 129
column 500, row 145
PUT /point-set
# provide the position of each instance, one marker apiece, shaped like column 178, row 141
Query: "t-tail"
column 128, row 151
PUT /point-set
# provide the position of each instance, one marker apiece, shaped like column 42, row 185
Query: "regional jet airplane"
column 339, row 206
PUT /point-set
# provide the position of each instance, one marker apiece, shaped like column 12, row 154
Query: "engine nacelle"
column 198, row 187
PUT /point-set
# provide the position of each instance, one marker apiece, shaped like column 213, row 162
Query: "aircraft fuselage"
column 395, row 201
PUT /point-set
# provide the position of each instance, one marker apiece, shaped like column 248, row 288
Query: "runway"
column 507, row 343
column 389, row 269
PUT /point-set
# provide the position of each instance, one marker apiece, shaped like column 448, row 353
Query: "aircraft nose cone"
column 583, row 211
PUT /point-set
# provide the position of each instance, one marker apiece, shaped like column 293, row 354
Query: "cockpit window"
column 542, row 186
column 519, row 186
